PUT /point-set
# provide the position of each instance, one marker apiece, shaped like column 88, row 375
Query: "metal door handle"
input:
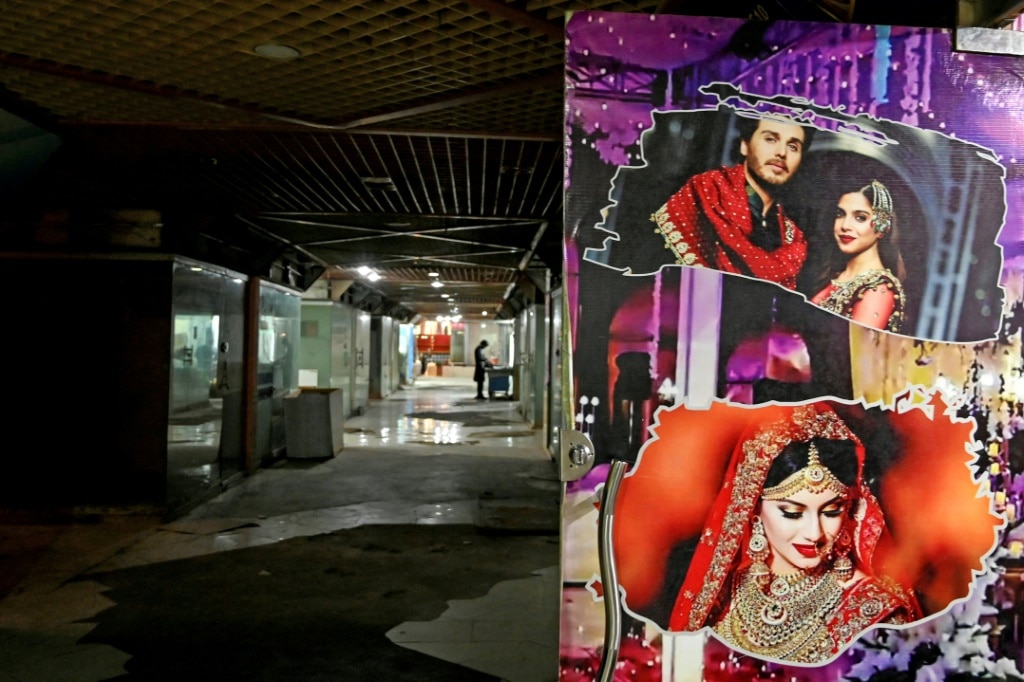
column 609, row 576
column 577, row 459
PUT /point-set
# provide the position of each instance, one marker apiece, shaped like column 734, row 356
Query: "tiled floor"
column 427, row 455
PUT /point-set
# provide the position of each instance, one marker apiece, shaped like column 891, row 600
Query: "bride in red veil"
column 767, row 526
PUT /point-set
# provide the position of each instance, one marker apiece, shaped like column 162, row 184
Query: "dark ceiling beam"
column 372, row 233
column 415, row 235
column 554, row 77
column 988, row 13
column 378, row 258
column 267, row 234
column 468, row 228
column 525, row 262
column 540, row 81
column 418, row 287
column 121, row 82
column 281, row 127
column 445, row 259
column 488, row 225
column 469, row 134
column 487, row 220
column 517, row 16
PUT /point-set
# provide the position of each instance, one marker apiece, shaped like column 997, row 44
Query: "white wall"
column 495, row 335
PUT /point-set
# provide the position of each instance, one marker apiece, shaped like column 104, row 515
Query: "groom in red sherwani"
column 728, row 219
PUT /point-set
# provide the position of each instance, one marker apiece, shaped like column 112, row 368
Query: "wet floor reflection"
column 306, row 498
column 432, row 414
column 207, row 433
column 193, row 455
column 520, row 433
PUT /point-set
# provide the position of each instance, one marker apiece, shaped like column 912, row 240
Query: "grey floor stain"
column 317, row 600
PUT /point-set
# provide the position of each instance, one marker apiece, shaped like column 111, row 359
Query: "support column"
column 249, row 367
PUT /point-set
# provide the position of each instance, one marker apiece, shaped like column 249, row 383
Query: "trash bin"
column 498, row 380
column 314, row 423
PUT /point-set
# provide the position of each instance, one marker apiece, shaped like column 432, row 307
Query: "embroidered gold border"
column 846, row 294
column 673, row 237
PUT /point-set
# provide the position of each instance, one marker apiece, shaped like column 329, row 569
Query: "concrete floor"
column 426, row 550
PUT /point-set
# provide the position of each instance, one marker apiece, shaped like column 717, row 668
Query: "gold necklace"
column 786, row 622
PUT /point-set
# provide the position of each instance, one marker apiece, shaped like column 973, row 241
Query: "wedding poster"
column 795, row 276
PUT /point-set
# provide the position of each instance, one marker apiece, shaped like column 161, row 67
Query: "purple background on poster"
column 906, row 75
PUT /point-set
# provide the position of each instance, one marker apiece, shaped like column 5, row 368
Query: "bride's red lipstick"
column 809, row 551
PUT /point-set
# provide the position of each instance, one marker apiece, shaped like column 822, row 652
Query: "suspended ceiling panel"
column 410, row 136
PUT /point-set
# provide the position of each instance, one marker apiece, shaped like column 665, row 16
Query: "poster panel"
column 794, row 293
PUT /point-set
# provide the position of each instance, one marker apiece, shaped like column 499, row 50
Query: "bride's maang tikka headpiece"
column 815, row 477
column 881, row 206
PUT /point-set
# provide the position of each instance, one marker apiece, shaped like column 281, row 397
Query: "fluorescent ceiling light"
column 275, row 51
column 383, row 183
column 437, row 284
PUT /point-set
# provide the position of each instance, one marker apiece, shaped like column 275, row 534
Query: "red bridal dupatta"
column 700, row 477
column 707, row 223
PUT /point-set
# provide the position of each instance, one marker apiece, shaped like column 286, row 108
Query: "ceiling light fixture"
column 363, row 270
column 444, row 295
column 433, row 274
column 373, row 277
column 385, row 184
column 277, row 52
column 437, row 284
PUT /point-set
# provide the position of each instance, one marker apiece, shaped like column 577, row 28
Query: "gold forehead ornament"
column 814, row 477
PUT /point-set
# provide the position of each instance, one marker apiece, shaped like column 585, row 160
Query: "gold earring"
column 843, row 565
column 757, row 549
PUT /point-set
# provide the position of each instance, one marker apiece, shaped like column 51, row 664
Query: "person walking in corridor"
column 480, row 372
